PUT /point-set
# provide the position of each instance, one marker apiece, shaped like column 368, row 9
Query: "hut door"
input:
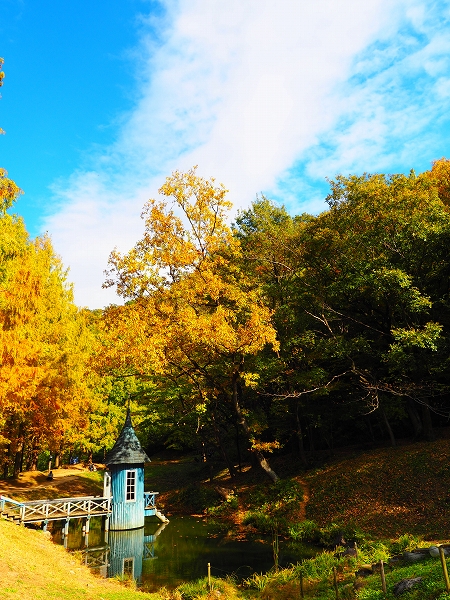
column 107, row 485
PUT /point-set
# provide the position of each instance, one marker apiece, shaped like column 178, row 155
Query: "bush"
column 305, row 531
column 336, row 534
column 277, row 506
column 330, row 536
column 197, row 498
column 225, row 509
column 405, row 543
column 283, row 493
column 198, row 590
column 319, row 567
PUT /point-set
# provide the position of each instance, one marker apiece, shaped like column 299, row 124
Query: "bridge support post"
column 66, row 528
column 86, row 526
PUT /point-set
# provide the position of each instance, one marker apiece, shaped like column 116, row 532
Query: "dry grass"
column 33, row 568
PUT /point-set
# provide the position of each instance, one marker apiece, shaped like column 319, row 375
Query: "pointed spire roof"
column 127, row 449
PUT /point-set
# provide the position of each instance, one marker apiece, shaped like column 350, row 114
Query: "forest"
column 271, row 334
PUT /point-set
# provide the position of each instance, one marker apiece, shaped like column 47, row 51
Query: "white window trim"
column 135, row 484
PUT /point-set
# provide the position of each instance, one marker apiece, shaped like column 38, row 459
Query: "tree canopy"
column 276, row 333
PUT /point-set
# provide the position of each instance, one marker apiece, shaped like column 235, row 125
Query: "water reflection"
column 166, row 555
column 129, row 550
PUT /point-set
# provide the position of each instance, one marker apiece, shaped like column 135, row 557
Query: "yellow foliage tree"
column 44, row 389
column 192, row 313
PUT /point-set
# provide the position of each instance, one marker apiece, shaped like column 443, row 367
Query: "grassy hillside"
column 386, row 492
column 33, row 568
column 67, row 482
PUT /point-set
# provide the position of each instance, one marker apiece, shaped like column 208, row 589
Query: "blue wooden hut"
column 126, row 463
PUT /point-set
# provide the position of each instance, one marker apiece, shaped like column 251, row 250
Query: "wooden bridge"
column 35, row 511
column 52, row 510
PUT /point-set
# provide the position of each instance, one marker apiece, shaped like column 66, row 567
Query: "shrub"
column 305, row 531
column 405, row 543
column 197, row 498
column 197, row 590
column 225, row 509
column 277, row 506
column 319, row 567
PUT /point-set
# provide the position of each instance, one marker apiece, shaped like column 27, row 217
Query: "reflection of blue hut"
column 126, row 463
column 127, row 552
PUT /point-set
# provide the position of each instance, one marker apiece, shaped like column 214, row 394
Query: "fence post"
column 444, row 568
column 209, row 576
column 383, row 578
column 335, row 583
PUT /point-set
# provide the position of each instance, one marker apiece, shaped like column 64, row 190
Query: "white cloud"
column 240, row 88
column 395, row 107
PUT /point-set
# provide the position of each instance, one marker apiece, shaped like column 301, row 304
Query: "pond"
column 166, row 555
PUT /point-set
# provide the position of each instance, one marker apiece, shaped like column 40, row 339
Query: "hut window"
column 130, row 493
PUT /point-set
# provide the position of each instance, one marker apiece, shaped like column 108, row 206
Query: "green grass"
column 432, row 586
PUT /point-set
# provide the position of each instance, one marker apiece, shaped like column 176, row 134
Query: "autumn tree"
column 192, row 316
column 44, row 384
column 45, row 344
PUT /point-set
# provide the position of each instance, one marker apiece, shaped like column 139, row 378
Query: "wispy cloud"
column 394, row 108
column 265, row 96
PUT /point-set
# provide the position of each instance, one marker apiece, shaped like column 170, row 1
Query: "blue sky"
column 102, row 100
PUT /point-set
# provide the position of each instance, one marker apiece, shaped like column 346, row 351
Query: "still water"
column 169, row 554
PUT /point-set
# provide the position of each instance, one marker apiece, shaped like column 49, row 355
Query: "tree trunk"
column 389, row 428
column 301, row 446
column 262, row 461
column 34, row 458
column 428, row 432
column 18, row 459
column 6, row 463
column 414, row 418
column 229, row 464
column 238, row 447
column 18, row 454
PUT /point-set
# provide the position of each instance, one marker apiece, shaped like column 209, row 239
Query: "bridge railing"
column 11, row 506
column 150, row 500
column 37, row 510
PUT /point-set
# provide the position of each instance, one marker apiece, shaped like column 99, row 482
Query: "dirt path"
column 306, row 497
column 34, row 485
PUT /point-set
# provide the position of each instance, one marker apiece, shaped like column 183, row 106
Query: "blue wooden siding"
column 126, row 514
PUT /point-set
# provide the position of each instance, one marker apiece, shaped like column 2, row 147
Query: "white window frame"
column 134, row 471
